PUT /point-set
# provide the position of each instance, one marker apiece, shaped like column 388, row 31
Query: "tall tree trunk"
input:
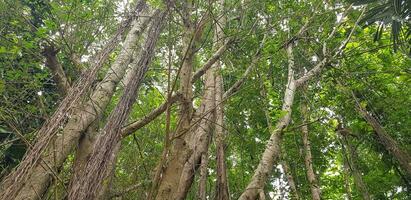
column 220, row 134
column 179, row 149
column 170, row 177
column 131, row 48
column 272, row 150
column 346, row 166
column 12, row 185
column 200, row 138
column 90, row 181
column 295, row 194
column 315, row 190
column 403, row 158
column 352, row 158
column 40, row 175
column 202, row 183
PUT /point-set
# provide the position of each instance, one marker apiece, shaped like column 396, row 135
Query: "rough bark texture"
column 179, row 152
column 220, row 134
column 202, row 183
column 82, row 117
column 170, row 178
column 308, row 161
column 12, row 185
column 89, row 183
column 199, row 140
column 272, row 150
column 130, row 48
column 403, row 158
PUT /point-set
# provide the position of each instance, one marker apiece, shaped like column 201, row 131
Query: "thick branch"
column 50, row 53
column 131, row 128
column 403, row 158
column 210, row 61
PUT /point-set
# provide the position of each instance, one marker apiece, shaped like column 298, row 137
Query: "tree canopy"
column 224, row 99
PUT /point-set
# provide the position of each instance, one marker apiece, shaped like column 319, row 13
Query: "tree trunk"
column 351, row 157
column 170, row 177
column 200, row 138
column 220, row 134
column 261, row 195
column 315, row 190
column 202, row 183
column 295, row 194
column 347, row 186
column 179, row 152
column 40, row 175
column 130, row 49
column 88, row 184
column 403, row 158
column 222, row 179
column 272, row 150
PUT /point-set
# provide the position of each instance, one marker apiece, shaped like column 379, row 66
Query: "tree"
column 204, row 100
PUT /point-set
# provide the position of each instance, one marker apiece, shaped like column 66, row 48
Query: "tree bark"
column 202, row 183
column 130, row 49
column 220, row 134
column 170, row 177
column 89, row 182
column 56, row 69
column 169, row 186
column 83, row 116
column 272, row 150
column 312, row 179
column 200, row 138
column 403, row 158
column 295, row 194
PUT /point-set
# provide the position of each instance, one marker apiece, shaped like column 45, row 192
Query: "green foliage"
column 368, row 67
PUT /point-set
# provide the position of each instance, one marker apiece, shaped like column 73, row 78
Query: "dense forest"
column 205, row 99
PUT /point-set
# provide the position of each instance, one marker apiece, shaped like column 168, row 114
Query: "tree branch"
column 210, row 61
column 134, row 126
column 50, row 53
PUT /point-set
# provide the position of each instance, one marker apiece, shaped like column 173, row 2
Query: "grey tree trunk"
column 403, row 158
column 199, row 141
column 352, row 158
column 170, row 177
column 220, row 134
column 312, row 179
column 88, row 184
column 169, row 185
column 290, row 178
column 272, row 150
column 132, row 46
column 40, row 175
